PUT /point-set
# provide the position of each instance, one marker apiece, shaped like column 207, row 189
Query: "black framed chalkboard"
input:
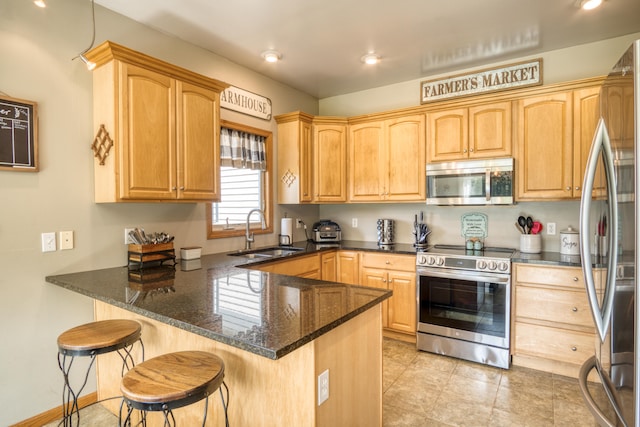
column 18, row 134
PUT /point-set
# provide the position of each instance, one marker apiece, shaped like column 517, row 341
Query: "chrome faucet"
column 248, row 235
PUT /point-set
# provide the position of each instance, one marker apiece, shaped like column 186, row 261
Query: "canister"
column 569, row 242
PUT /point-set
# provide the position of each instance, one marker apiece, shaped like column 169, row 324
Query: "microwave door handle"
column 487, row 184
column 601, row 144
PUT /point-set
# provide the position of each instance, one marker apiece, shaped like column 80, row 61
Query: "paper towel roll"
column 286, row 231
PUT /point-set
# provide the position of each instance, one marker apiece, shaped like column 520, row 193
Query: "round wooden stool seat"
column 172, row 380
column 99, row 337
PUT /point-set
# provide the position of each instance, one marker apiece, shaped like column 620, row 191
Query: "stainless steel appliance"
column 470, row 182
column 386, row 232
column 326, row 231
column 464, row 303
column 608, row 222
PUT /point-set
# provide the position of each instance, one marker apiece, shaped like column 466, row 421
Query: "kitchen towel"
column 286, row 231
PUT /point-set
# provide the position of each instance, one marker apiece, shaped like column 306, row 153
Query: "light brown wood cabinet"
column 294, row 169
column 552, row 326
column 329, row 266
column 619, row 109
column 307, row 266
column 348, row 267
column 164, row 123
column 475, row 132
column 387, row 160
column 329, row 160
column 396, row 273
column 555, row 132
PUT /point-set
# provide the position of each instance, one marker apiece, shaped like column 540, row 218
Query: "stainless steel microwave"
column 471, row 182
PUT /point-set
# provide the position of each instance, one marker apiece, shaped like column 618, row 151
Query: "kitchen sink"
column 272, row 252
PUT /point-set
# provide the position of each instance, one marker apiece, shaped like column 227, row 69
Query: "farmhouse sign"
column 245, row 102
column 512, row 76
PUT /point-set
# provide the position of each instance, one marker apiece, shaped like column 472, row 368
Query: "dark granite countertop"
column 264, row 313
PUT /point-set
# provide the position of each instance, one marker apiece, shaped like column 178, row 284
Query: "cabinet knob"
column 568, row 188
column 574, row 309
column 384, row 280
column 173, row 189
column 471, row 150
column 387, row 262
column 575, row 279
column 305, row 194
column 390, row 280
column 182, row 188
column 577, row 187
column 574, row 349
column 464, row 151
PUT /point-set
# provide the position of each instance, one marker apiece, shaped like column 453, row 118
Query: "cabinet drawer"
column 553, row 305
column 308, row 266
column 551, row 343
column 389, row 261
column 567, row 277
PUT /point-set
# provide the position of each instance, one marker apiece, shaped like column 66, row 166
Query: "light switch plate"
column 66, row 240
column 48, row 242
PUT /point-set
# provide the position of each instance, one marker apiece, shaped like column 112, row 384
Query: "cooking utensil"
column 522, row 222
column 536, row 228
column 520, row 230
column 529, row 224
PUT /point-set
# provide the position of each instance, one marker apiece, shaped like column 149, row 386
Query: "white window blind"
column 241, row 191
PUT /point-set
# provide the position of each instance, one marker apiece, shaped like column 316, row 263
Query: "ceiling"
column 322, row 41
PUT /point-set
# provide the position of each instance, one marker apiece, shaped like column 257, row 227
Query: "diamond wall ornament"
column 288, row 178
column 102, row 144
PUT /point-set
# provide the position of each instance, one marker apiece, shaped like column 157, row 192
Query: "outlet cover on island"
column 323, row 387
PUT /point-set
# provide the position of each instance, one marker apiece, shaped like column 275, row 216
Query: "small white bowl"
column 190, row 252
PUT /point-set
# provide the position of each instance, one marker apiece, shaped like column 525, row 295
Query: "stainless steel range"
column 464, row 303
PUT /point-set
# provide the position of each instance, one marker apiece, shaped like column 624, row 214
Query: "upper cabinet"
column 478, row 131
column 164, row 124
column 312, row 158
column 387, row 160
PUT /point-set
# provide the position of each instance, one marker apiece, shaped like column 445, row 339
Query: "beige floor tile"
column 461, row 413
column 569, row 414
column 479, row 372
column 391, row 371
column 470, row 390
column 526, row 401
column 500, row 418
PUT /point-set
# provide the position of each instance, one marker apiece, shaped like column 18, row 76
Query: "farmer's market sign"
column 245, row 102
column 512, row 76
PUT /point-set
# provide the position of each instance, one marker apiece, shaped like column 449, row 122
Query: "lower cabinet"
column 396, row 273
column 306, row 266
column 552, row 326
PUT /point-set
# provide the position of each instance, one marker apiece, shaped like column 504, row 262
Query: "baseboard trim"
column 55, row 413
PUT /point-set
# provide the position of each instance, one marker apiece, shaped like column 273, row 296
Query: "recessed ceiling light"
column 40, row 3
column 370, row 58
column 590, row 4
column 271, row 56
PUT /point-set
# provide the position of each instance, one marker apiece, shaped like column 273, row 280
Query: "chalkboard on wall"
column 18, row 135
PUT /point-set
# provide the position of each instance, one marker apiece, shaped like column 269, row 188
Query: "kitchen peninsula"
column 275, row 333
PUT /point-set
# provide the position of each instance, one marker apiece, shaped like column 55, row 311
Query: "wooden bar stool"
column 92, row 339
column 172, row 381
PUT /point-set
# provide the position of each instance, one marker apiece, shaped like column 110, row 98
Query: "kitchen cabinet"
column 348, row 267
column 329, row 160
column 307, row 266
column 294, row 170
column 552, row 326
column 478, row 131
column 163, row 122
column 328, row 266
column 619, row 109
column 555, row 131
column 396, row 273
column 387, row 159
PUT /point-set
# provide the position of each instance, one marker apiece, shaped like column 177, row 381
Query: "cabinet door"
column 402, row 305
column 365, row 161
column 148, row 169
column 328, row 266
column 544, row 147
column 348, row 267
column 198, row 155
column 329, row 163
column 377, row 278
column 490, row 130
column 447, row 135
column 294, row 168
column 405, row 152
column 586, row 113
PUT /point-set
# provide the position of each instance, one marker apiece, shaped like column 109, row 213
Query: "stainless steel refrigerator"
column 609, row 248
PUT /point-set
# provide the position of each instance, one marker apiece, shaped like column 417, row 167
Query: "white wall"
column 36, row 47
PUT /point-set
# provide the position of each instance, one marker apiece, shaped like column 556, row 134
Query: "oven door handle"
column 458, row 276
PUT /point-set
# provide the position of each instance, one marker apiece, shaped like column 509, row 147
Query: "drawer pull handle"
column 387, row 262
column 575, row 279
column 574, row 349
column 574, row 309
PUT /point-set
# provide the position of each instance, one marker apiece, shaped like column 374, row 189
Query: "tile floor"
column 422, row 389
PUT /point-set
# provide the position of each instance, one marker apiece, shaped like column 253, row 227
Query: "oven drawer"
column 553, row 305
column 553, row 343
column 389, row 261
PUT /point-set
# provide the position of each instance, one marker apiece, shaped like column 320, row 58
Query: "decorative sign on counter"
column 18, row 135
column 474, row 224
column 512, row 76
column 245, row 102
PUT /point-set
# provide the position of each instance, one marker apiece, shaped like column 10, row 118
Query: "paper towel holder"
column 284, row 240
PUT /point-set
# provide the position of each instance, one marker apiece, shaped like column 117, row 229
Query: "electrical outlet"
column 551, row 228
column 323, row 387
column 48, row 242
column 66, row 240
column 354, row 222
column 127, row 238
column 298, row 223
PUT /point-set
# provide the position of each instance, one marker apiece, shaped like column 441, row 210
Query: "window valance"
column 242, row 150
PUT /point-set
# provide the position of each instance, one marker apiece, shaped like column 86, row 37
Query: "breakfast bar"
column 276, row 334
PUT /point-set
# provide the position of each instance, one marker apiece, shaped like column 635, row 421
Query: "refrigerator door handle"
column 601, row 145
column 600, row 417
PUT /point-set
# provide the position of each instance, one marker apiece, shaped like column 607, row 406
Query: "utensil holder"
column 530, row 243
column 151, row 254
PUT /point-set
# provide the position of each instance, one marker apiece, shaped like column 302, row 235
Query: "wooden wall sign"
column 512, row 76
column 18, row 135
column 245, row 102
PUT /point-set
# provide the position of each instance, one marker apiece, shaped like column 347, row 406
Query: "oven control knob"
column 422, row 260
column 431, row 260
column 492, row 265
column 440, row 261
column 482, row 264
